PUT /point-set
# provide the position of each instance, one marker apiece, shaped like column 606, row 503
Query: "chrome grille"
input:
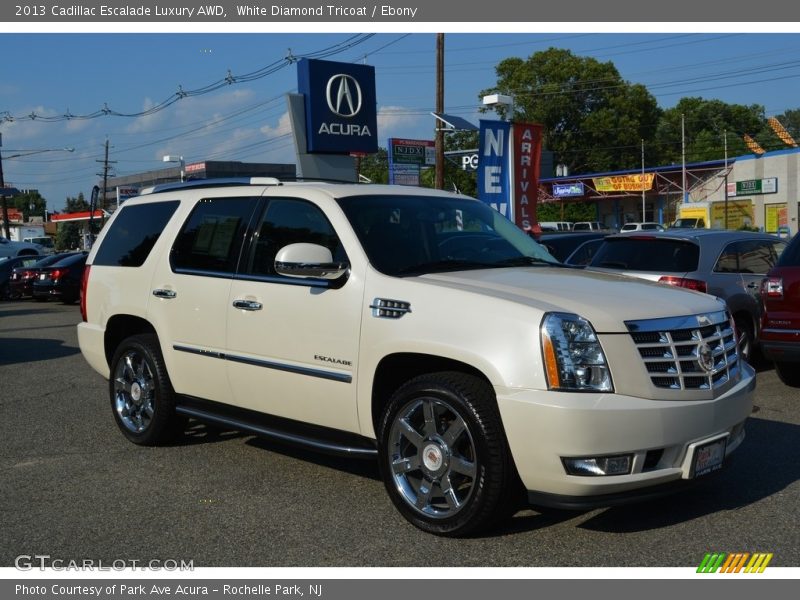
column 696, row 352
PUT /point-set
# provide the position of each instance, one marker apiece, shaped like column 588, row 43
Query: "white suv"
column 415, row 326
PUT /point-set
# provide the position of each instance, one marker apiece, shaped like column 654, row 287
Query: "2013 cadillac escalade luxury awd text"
column 416, row 326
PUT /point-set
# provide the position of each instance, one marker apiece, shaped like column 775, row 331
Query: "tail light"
column 698, row 285
column 772, row 287
column 58, row 274
column 27, row 275
column 84, row 286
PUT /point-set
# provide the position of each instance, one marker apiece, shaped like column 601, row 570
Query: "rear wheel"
column 142, row 398
column 444, row 457
column 789, row 373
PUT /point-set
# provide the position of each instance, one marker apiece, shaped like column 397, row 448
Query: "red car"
column 780, row 318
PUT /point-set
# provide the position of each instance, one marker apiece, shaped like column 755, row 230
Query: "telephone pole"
column 106, row 168
column 439, row 110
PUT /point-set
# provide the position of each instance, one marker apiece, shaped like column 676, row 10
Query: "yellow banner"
column 624, row 183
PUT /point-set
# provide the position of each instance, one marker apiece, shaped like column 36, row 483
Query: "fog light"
column 599, row 466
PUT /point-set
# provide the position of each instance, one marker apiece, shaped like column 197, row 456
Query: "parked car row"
column 55, row 276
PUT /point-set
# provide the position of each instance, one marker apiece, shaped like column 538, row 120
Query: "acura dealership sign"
column 341, row 113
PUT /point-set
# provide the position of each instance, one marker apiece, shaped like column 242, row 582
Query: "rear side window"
column 212, row 237
column 133, row 234
column 654, row 254
column 751, row 256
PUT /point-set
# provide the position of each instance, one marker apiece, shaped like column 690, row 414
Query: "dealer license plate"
column 709, row 457
column 43, row 276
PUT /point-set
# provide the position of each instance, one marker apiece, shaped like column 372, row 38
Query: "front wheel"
column 444, row 457
column 142, row 398
column 745, row 338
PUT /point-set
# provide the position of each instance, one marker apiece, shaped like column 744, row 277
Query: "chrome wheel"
column 134, row 391
column 432, row 458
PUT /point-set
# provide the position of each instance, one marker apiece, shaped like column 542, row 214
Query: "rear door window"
column 133, row 233
column 647, row 254
column 749, row 257
column 211, row 240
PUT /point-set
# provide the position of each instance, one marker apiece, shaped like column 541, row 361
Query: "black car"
column 61, row 280
column 23, row 275
column 7, row 267
column 561, row 245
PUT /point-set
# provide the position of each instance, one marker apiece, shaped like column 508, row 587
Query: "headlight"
column 573, row 357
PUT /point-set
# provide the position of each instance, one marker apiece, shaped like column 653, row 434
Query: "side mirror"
column 308, row 261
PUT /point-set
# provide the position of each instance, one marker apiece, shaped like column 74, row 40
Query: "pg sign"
column 341, row 106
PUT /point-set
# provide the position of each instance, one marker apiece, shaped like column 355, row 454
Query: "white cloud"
column 399, row 121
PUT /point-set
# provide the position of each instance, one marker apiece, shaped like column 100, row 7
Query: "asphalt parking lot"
column 74, row 488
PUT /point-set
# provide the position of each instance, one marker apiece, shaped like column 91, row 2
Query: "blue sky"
column 51, row 74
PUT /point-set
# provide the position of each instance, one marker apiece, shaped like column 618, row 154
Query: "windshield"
column 412, row 235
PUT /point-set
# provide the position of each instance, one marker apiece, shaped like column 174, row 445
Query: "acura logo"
column 344, row 96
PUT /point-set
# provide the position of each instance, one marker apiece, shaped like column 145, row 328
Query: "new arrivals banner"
column 494, row 169
column 526, row 153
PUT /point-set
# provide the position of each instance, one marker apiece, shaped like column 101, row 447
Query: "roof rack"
column 208, row 183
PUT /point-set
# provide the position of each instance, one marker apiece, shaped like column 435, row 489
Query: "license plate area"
column 708, row 457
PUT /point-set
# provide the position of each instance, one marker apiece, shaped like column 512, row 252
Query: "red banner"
column 526, row 154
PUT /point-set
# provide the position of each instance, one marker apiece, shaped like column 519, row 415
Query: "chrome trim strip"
column 673, row 323
column 276, row 434
column 321, row 374
column 784, row 331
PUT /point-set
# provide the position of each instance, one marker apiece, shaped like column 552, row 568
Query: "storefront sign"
column 562, row 190
column 340, row 104
column 414, row 152
column 757, row 186
column 624, row 183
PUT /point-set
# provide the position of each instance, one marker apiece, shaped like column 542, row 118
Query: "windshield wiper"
column 526, row 261
column 439, row 266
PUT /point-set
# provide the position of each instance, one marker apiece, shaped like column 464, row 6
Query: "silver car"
column 726, row 264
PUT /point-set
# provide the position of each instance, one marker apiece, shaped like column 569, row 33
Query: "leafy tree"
column 566, row 211
column 593, row 119
column 69, row 234
column 375, row 166
column 24, row 201
column 706, row 122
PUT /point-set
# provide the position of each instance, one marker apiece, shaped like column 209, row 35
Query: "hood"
column 607, row 300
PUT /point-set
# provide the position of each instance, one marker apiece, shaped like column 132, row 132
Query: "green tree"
column 69, row 234
column 24, row 201
column 593, row 119
column 375, row 167
column 706, row 123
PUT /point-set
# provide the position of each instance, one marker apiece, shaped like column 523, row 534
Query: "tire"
column 444, row 458
column 789, row 373
column 745, row 338
column 5, row 292
column 142, row 398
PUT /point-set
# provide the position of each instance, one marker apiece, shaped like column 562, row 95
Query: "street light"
column 171, row 158
column 8, row 193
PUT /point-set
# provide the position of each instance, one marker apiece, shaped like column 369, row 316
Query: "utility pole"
column 2, row 195
column 106, row 167
column 725, row 137
column 644, row 218
column 439, row 110
column 683, row 160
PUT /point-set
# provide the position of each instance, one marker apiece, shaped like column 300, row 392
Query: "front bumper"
column 544, row 427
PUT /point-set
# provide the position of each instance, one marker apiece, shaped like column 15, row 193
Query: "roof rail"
column 208, row 183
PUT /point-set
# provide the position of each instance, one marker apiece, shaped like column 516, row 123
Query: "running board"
column 367, row 450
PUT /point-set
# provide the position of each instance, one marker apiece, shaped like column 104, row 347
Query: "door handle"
column 247, row 304
column 160, row 293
